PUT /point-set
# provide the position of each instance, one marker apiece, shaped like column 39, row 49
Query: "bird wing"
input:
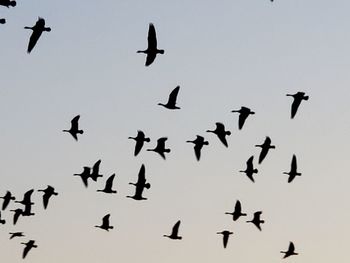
column 26, row 250
column 250, row 163
column 294, row 164
column 33, row 39
column 5, row 203
column 74, row 122
column 263, row 153
column 173, row 96
column 105, row 220
column 295, row 106
column 238, row 207
column 96, row 167
column 109, row 182
column 46, row 198
column 138, row 192
column 175, row 229
column 138, row 147
column 197, row 151
column 27, row 196
column 141, row 176
column 241, row 119
column 291, row 247
column 150, row 58
column 291, row 178
column 225, row 239
column 222, row 138
column 16, row 216
column 152, row 38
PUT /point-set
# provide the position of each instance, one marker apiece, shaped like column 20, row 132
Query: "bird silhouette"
column 95, row 171
column 8, row 3
column 160, row 148
column 27, row 210
column 17, row 213
column 2, row 21
column 16, row 234
column 108, row 186
column 250, row 171
column 237, row 213
column 171, row 104
column 226, row 234
column 152, row 49
column 84, row 175
column 7, row 198
column 265, row 147
column 74, row 129
column 27, row 198
column 244, row 112
column 221, row 133
column 199, row 142
column 298, row 97
column 256, row 220
column 105, row 223
column 290, row 251
column 175, row 231
column 48, row 192
column 141, row 184
column 28, row 246
column 140, row 139
column 2, row 221
column 38, row 29
column 293, row 170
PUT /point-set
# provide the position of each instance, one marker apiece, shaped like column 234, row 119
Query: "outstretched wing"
column 141, row 176
column 294, row 164
column 225, row 239
column 75, row 123
column 109, row 182
column 176, row 228
column 150, row 58
column 152, row 38
column 197, row 151
column 295, row 106
column 173, row 96
column 238, row 207
column 33, row 39
column 25, row 251
column 241, row 119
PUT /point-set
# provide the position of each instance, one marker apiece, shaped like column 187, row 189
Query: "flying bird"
column 265, row 147
column 8, row 3
column 244, row 112
column 140, row 139
column 141, row 184
column 171, row 104
column 293, row 170
column 237, row 213
column 28, row 246
column 27, row 210
column 74, row 129
column 95, row 171
column 84, row 175
column 290, row 251
column 17, row 213
column 7, row 198
column 298, row 97
column 2, row 221
column 199, row 142
column 105, row 223
column 27, row 198
column 250, row 171
column 38, row 29
column 152, row 49
column 108, row 187
column 256, row 220
column 226, row 234
column 48, row 192
column 16, row 234
column 160, row 148
column 221, row 133
column 174, row 232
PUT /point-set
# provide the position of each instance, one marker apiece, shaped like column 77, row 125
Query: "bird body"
column 290, row 251
column 152, row 49
column 160, row 148
column 298, row 98
column 171, row 104
column 26, row 198
column 265, row 147
column 74, row 129
column 38, row 29
column 199, row 142
column 226, row 234
column 108, row 187
column 237, row 213
column 244, row 112
column 105, row 223
column 16, row 234
column 221, row 133
column 293, row 170
column 28, row 246
column 140, row 139
column 256, row 220
column 250, row 171
column 8, row 3
column 48, row 192
column 175, row 231
column 7, row 198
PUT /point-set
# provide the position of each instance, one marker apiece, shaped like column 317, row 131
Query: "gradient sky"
column 223, row 55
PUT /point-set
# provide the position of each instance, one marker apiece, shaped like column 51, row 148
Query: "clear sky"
column 224, row 55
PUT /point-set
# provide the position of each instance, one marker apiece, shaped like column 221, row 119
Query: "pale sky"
column 223, row 55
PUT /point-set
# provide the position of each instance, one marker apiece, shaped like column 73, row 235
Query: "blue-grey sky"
column 223, row 55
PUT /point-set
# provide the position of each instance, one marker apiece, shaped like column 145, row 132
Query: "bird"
column 38, row 29
column 250, row 171
column 2, row 21
column 265, row 147
column 27, row 210
column 256, row 220
column 17, row 213
column 8, row 3
column 221, row 133
column 226, row 234
column 48, row 192
column 29, row 245
column 237, row 213
column 16, row 234
column 141, row 184
column 140, row 139
column 152, row 49
column 105, row 223
column 160, row 148
column 74, row 129
column 7, row 198
column 108, row 186
column 244, row 112
column 95, row 171
column 293, row 170
column 290, row 251
column 171, row 104
column 298, row 97
column 199, row 142
column 27, row 198
column 174, row 232
column 84, row 175
column 2, row 221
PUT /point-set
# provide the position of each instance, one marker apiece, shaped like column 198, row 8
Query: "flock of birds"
column 93, row 172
